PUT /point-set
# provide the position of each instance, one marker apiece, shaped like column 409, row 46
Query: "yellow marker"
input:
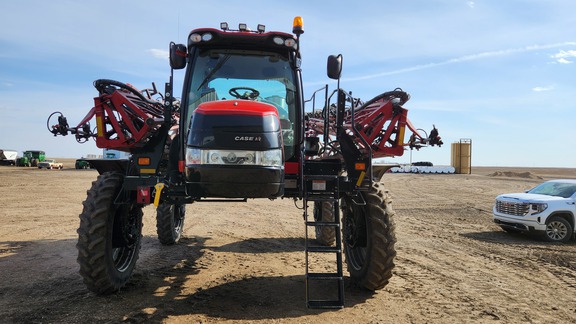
column 99, row 126
column 401, row 136
column 360, row 178
column 159, row 186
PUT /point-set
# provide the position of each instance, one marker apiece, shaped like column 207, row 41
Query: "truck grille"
column 512, row 208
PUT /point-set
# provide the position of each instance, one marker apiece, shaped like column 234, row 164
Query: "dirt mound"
column 525, row 175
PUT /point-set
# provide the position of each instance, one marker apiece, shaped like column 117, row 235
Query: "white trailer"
column 8, row 157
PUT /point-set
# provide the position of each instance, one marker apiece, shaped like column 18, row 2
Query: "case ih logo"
column 248, row 139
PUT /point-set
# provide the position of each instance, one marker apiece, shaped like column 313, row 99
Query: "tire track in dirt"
column 238, row 261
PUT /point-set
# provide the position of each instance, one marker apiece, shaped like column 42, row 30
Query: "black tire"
column 109, row 236
column 558, row 229
column 369, row 238
column 324, row 212
column 170, row 223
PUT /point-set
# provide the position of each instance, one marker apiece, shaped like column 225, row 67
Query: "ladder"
column 323, row 284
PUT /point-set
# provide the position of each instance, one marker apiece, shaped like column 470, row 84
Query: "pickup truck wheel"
column 109, row 236
column 324, row 212
column 558, row 230
column 369, row 238
column 170, row 223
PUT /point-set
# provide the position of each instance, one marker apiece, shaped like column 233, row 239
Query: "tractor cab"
column 240, row 111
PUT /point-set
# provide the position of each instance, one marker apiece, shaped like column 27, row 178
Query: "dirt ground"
column 244, row 262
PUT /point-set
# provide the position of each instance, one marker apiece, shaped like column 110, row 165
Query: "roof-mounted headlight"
column 195, row 38
column 290, row 42
column 261, row 28
column 206, row 37
column 242, row 27
column 224, row 26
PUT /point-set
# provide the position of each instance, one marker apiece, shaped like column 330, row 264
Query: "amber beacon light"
column 298, row 26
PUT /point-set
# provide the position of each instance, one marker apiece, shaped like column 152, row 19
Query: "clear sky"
column 499, row 72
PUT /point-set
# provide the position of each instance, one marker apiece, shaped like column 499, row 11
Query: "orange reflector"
column 360, row 166
column 143, row 161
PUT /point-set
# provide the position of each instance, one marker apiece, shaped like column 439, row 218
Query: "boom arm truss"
column 381, row 122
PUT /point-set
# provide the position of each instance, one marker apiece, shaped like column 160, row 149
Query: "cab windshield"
column 220, row 74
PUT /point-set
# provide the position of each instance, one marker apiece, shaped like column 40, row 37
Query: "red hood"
column 236, row 107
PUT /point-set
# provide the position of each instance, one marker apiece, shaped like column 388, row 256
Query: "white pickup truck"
column 50, row 164
column 548, row 209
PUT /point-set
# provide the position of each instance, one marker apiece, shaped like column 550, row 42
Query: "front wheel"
column 109, row 236
column 170, row 223
column 369, row 238
column 558, row 229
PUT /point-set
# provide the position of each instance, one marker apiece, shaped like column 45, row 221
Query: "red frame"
column 381, row 124
column 123, row 120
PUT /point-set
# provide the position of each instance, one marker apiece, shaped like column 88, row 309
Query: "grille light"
column 233, row 157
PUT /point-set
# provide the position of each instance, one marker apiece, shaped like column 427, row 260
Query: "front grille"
column 512, row 208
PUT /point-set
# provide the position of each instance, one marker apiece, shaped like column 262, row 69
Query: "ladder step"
column 323, row 249
column 324, row 276
column 322, row 197
column 325, row 304
column 320, row 177
column 314, row 223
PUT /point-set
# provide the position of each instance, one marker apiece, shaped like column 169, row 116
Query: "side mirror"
column 177, row 56
column 334, row 66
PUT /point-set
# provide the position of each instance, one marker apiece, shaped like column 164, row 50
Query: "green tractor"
column 31, row 158
column 82, row 164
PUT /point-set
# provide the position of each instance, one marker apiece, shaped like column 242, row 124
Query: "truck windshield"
column 559, row 189
column 216, row 71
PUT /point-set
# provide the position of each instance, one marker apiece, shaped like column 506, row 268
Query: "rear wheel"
column 558, row 229
column 324, row 212
column 109, row 236
column 170, row 222
column 369, row 238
